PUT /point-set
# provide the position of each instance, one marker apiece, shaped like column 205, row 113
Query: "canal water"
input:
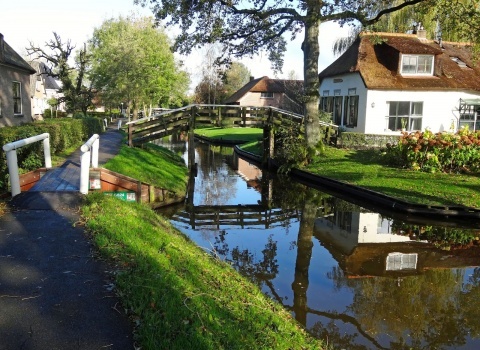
column 358, row 278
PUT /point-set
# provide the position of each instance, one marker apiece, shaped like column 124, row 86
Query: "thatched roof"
column 378, row 64
column 265, row 84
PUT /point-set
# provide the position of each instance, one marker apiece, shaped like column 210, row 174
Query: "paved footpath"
column 55, row 293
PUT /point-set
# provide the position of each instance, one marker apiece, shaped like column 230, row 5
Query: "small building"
column 266, row 92
column 43, row 87
column 15, row 72
column 386, row 82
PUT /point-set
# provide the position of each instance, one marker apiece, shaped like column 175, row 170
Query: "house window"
column 417, row 64
column 350, row 117
column 266, row 95
column 337, row 110
column 400, row 261
column 326, row 104
column 17, row 98
column 405, row 115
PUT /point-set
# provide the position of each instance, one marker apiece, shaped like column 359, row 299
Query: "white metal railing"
column 12, row 161
column 89, row 152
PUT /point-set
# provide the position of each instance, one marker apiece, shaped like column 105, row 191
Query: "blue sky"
column 22, row 21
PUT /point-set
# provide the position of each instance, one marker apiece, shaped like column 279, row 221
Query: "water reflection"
column 358, row 278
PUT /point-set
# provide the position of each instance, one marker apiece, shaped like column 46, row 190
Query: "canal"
column 355, row 277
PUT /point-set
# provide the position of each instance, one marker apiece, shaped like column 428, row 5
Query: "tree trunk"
column 311, row 53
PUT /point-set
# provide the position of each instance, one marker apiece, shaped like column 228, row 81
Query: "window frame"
column 266, row 94
column 413, row 117
column 416, row 65
column 17, row 99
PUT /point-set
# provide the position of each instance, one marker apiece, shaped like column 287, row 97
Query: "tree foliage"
column 75, row 93
column 235, row 77
column 450, row 20
column 245, row 27
column 132, row 63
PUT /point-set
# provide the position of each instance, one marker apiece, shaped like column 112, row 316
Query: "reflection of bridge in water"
column 235, row 215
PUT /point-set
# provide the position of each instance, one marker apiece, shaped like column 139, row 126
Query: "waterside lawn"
column 231, row 134
column 367, row 169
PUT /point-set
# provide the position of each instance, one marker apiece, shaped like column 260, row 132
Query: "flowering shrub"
column 440, row 152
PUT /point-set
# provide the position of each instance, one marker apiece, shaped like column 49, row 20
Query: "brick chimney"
column 2, row 48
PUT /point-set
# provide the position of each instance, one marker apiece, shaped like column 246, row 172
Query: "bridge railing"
column 182, row 119
column 12, row 160
column 89, row 157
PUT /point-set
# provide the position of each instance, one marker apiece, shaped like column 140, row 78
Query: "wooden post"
column 191, row 141
column 130, row 132
column 268, row 141
column 244, row 116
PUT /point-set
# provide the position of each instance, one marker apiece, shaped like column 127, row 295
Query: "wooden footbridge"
column 187, row 118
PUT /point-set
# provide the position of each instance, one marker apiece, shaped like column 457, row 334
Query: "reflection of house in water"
column 247, row 171
column 364, row 245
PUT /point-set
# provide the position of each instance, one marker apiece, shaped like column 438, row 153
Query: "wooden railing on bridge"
column 186, row 118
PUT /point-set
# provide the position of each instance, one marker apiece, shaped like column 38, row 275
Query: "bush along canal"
column 361, row 278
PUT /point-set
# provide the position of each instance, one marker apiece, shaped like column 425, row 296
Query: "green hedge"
column 64, row 133
column 353, row 140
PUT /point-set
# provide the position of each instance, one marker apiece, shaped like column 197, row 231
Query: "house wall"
column 254, row 99
column 39, row 99
column 440, row 108
column 7, row 76
column 344, row 83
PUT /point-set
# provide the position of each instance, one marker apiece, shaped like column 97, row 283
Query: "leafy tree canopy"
column 132, row 63
column 245, row 27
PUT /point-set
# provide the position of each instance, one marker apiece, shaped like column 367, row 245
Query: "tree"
column 132, row 62
column 244, row 27
column 76, row 95
column 449, row 20
column 236, row 76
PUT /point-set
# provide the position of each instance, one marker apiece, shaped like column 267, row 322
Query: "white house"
column 42, row 88
column 387, row 82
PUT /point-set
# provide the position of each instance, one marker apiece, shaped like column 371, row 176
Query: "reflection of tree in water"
column 216, row 185
column 258, row 271
column 428, row 311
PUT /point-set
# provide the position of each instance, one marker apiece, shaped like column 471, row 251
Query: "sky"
column 25, row 21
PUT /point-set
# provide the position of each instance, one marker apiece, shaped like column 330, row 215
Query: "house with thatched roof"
column 43, row 87
column 266, row 92
column 388, row 82
column 15, row 103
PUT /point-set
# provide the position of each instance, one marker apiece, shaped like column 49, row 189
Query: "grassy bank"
column 179, row 295
column 152, row 164
column 366, row 169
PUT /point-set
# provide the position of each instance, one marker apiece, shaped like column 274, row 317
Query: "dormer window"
column 266, row 95
column 417, row 65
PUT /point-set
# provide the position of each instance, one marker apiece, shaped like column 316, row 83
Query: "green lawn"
column 152, row 164
column 231, row 134
column 364, row 168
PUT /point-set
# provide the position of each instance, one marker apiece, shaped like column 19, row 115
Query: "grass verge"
column 183, row 297
column 151, row 164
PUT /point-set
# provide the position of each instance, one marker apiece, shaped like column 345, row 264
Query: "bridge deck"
column 65, row 178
